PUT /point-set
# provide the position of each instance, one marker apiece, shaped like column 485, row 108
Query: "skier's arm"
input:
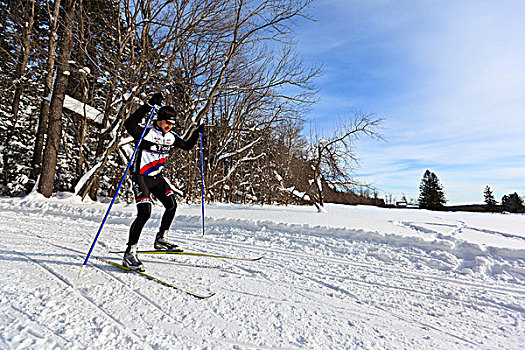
column 132, row 123
column 191, row 141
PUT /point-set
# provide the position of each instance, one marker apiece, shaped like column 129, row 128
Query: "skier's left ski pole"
column 116, row 193
column 202, row 188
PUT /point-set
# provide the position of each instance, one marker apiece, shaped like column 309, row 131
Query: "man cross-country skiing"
column 146, row 174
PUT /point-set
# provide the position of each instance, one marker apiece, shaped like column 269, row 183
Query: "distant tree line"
column 72, row 71
column 511, row 203
column 432, row 197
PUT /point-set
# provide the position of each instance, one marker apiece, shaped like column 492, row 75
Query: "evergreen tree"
column 489, row 199
column 431, row 194
column 512, row 203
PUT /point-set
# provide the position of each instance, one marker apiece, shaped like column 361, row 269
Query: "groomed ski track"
column 316, row 288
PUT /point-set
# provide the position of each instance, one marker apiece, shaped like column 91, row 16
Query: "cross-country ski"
column 155, row 279
column 202, row 255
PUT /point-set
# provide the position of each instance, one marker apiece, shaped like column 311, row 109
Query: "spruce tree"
column 489, row 199
column 431, row 194
column 512, row 203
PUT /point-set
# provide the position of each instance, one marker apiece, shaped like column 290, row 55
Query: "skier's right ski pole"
column 116, row 193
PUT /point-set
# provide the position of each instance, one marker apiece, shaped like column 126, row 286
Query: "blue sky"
column 448, row 77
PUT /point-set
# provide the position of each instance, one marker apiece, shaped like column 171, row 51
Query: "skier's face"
column 165, row 125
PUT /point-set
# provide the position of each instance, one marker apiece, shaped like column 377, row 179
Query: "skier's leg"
column 142, row 197
column 143, row 214
column 167, row 197
column 170, row 204
column 130, row 259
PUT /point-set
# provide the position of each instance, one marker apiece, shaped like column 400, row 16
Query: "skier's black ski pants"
column 143, row 187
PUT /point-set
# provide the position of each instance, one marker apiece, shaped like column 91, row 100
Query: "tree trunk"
column 316, row 195
column 54, row 133
column 43, row 119
column 320, row 198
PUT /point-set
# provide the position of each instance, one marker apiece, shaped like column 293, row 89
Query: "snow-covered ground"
column 355, row 277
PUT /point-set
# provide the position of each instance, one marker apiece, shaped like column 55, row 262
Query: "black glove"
column 200, row 129
column 156, row 99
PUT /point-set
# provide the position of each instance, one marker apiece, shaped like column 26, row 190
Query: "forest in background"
column 72, row 71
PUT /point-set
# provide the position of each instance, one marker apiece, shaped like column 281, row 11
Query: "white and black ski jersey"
column 155, row 146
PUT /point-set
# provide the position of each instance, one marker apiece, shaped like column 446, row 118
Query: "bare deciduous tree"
column 247, row 74
column 333, row 158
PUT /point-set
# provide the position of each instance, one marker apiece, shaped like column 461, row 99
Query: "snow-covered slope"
column 355, row 277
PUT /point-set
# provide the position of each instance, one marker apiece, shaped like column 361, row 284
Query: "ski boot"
column 161, row 242
column 131, row 261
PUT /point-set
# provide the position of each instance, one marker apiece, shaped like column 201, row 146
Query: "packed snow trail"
column 355, row 277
